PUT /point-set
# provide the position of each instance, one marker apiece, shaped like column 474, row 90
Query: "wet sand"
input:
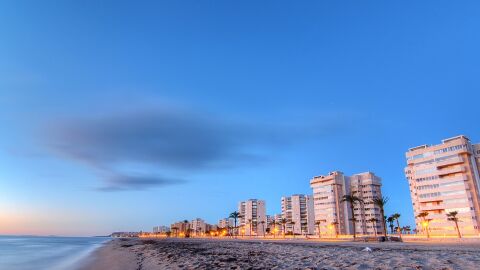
column 146, row 254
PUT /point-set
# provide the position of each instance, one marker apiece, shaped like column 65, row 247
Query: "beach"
column 153, row 254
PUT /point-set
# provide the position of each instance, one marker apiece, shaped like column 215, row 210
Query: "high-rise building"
column 298, row 211
column 226, row 223
column 444, row 178
column 334, row 216
column 198, row 226
column 253, row 217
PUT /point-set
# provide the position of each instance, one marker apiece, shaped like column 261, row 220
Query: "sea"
column 46, row 253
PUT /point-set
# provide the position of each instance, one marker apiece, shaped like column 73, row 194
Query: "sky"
column 124, row 115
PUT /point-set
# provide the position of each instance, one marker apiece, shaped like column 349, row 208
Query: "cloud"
column 126, row 182
column 166, row 138
column 172, row 139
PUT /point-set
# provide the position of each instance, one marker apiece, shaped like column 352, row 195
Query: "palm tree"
column 235, row 215
column 390, row 223
column 381, row 202
column 318, row 223
column 293, row 228
column 256, row 224
column 374, row 222
column 187, row 230
column 352, row 200
column 263, row 227
column 395, row 217
column 249, row 222
column 407, row 229
column 423, row 216
column 452, row 216
column 284, row 222
column 274, row 223
column 334, row 224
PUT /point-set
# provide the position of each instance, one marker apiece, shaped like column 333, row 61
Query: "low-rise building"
column 161, row 229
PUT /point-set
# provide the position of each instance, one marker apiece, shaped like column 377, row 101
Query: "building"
column 226, row 223
column 253, row 217
column 180, row 228
column 198, row 227
column 332, row 216
column 125, row 234
column 161, row 229
column 445, row 178
column 298, row 211
column 274, row 224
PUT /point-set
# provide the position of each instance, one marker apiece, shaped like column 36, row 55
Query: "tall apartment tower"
column 444, row 178
column 298, row 208
column 253, row 217
column 334, row 215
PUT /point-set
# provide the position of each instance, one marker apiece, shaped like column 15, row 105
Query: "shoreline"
column 205, row 253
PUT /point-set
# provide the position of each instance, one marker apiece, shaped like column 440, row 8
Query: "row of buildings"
column 323, row 212
column 442, row 178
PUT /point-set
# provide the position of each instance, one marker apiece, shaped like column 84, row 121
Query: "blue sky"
column 122, row 116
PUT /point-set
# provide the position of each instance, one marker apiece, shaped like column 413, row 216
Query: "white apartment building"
column 226, row 222
column 298, row 209
column 445, row 178
column 253, row 217
column 198, row 226
column 334, row 215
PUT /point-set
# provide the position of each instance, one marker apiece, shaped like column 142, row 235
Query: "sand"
column 146, row 254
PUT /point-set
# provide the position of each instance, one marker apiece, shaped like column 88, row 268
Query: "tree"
column 284, row 226
column 396, row 217
column 334, row 224
column 352, row 200
column 187, row 229
column 263, row 227
column 423, row 216
column 274, row 223
column 235, row 215
column 381, row 202
column 390, row 221
column 293, row 228
column 318, row 223
column 374, row 223
column 254, row 228
column 229, row 230
column 452, row 216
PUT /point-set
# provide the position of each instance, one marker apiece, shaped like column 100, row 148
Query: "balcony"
column 432, row 207
column 456, row 169
column 448, row 162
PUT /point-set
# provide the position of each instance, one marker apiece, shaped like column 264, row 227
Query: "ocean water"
column 45, row 253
